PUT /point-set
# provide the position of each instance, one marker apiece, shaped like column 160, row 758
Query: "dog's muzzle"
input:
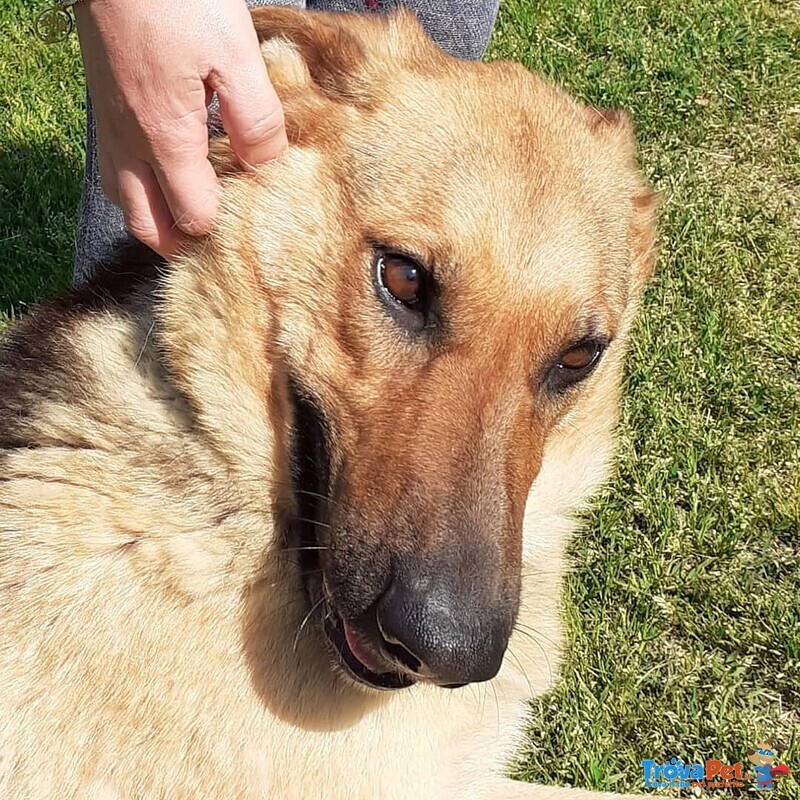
column 448, row 636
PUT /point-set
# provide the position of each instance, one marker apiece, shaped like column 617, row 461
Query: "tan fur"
column 152, row 624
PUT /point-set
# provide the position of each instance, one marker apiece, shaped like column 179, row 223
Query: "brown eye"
column 402, row 278
column 580, row 357
column 575, row 364
column 406, row 289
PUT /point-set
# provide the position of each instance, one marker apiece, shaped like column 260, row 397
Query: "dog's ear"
column 344, row 55
column 614, row 127
column 643, row 239
column 323, row 64
column 607, row 119
column 326, row 51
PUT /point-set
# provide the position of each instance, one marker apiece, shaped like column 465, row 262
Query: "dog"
column 766, row 771
column 285, row 518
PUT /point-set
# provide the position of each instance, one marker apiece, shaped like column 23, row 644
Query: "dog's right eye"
column 402, row 278
column 406, row 289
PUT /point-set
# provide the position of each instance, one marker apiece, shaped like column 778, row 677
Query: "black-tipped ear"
column 605, row 119
column 332, row 46
column 314, row 59
column 644, row 230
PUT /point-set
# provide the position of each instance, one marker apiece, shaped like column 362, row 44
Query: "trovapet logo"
column 715, row 774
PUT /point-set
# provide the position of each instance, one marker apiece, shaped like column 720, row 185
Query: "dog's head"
column 449, row 258
column 765, row 752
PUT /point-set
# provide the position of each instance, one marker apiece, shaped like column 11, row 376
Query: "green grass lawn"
column 684, row 609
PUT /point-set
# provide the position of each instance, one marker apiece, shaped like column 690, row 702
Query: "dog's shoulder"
column 99, row 449
column 50, row 356
column 83, row 393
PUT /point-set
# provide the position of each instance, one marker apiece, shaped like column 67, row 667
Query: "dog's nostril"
column 429, row 629
column 406, row 658
column 398, row 651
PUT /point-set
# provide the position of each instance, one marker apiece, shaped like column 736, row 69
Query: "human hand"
column 151, row 68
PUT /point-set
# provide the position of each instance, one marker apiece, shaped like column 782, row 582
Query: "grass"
column 684, row 609
column 41, row 157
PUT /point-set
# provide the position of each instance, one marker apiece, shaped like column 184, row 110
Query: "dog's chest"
column 433, row 748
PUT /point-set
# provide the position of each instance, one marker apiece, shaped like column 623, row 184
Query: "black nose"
column 451, row 636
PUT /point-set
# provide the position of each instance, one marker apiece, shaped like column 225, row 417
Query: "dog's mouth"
column 360, row 649
column 360, row 659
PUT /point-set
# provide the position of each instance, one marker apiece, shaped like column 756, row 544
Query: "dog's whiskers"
column 522, row 670
column 325, row 497
column 521, row 627
column 496, row 705
column 328, row 613
column 485, row 694
column 313, row 522
column 303, row 547
column 531, row 635
column 305, row 622
column 279, row 484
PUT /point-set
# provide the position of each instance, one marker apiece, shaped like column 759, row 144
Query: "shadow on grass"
column 40, row 189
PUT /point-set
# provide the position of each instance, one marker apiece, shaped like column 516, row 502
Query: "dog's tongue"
column 360, row 652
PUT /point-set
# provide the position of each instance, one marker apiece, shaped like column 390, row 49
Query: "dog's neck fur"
column 195, row 503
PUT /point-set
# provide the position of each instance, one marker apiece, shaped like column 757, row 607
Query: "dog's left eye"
column 575, row 364
column 580, row 357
